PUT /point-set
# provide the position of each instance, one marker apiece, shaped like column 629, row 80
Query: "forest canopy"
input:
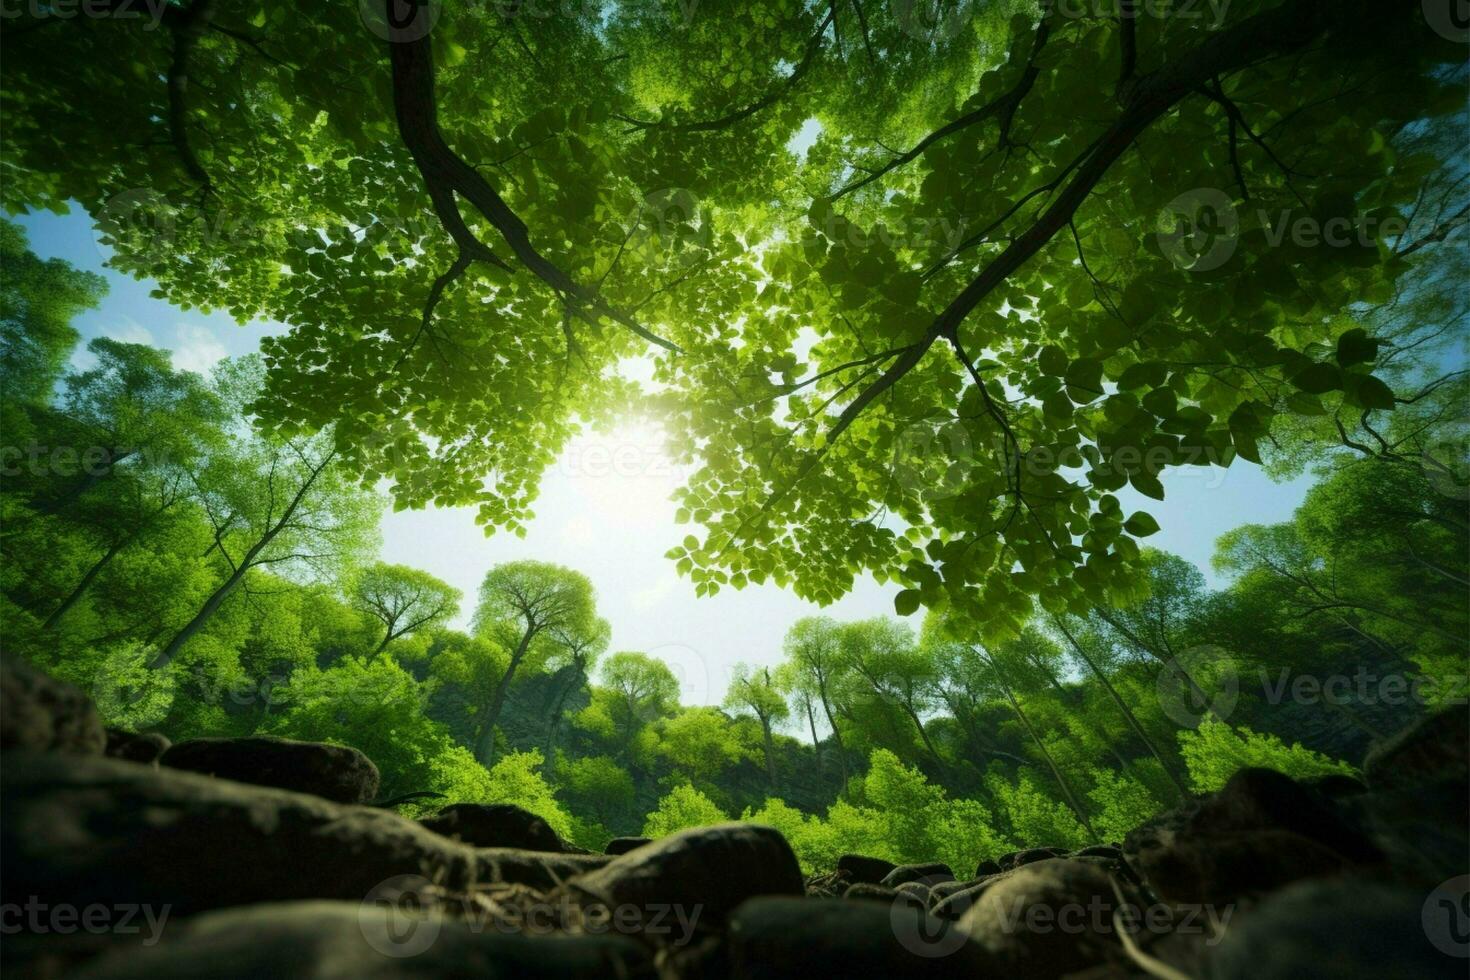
column 939, row 294
column 932, row 344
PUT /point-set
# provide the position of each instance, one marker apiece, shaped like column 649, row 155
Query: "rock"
column 143, row 748
column 864, row 869
column 494, row 825
column 1100, row 850
column 1015, row 859
column 988, row 867
column 1336, row 786
column 802, row 939
column 704, row 872
column 953, row 904
column 348, row 941
column 1045, row 918
column 1341, row 929
column 39, row 712
column 1226, row 868
column 928, row 873
column 1435, row 749
column 333, row 772
column 1262, row 799
column 622, row 845
column 85, row 829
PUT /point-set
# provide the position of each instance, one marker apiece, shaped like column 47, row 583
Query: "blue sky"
column 604, row 506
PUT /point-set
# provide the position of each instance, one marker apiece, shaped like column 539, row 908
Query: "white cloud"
column 197, row 348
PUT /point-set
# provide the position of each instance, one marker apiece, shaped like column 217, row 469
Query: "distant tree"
column 521, row 604
column 403, row 599
column 274, row 502
column 752, row 689
column 636, row 690
column 813, row 649
column 700, row 742
column 39, row 298
column 575, row 654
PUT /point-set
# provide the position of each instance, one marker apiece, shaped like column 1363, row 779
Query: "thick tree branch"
column 446, row 174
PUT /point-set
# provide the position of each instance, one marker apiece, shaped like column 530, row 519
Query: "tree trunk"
column 836, row 737
column 82, row 586
column 203, row 616
column 1123, row 707
column 923, row 735
column 1171, row 663
column 485, row 749
column 770, row 752
column 1041, row 747
column 555, row 721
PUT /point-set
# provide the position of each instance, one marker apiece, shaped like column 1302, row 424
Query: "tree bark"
column 485, row 747
column 1041, row 747
column 1123, row 707
column 81, row 587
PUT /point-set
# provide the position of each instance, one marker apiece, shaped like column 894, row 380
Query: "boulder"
column 1262, row 799
column 494, row 825
column 352, row 941
column 1226, row 868
column 704, row 872
column 1045, row 918
column 86, row 829
column 145, row 748
column 333, row 772
column 1435, row 749
column 1355, row 930
column 1015, row 859
column 41, row 713
column 622, row 845
column 801, row 939
column 987, row 867
column 862, row 869
column 929, row 874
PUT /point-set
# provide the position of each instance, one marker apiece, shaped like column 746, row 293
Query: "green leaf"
column 906, row 603
column 1356, row 347
column 1141, row 524
column 1318, row 379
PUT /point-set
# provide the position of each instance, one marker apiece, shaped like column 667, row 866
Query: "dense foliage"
column 933, row 299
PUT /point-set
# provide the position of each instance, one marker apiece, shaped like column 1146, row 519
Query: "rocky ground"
column 127, row 857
